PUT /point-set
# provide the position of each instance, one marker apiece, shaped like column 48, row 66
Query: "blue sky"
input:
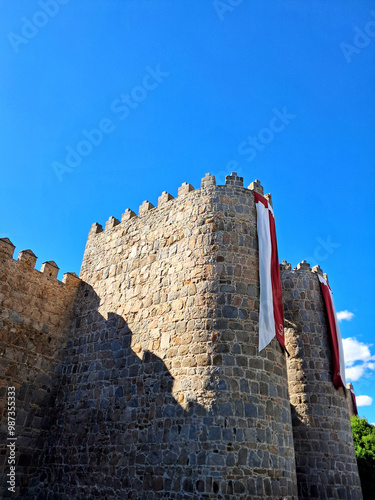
column 170, row 90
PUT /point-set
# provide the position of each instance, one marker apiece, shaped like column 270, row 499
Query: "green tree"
column 364, row 444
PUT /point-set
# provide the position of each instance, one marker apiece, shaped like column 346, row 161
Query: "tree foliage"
column 364, row 444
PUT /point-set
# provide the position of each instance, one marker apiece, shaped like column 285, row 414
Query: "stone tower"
column 142, row 378
column 325, row 458
column 164, row 393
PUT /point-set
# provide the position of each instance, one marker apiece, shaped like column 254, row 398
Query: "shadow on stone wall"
column 325, row 453
column 118, row 431
column 28, row 360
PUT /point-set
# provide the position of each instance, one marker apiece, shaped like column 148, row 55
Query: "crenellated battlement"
column 27, row 260
column 34, row 300
column 166, row 199
column 303, row 266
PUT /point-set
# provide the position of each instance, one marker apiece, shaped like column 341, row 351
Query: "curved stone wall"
column 163, row 392
column 325, row 458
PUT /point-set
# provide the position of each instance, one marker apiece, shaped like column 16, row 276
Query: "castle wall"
column 35, row 310
column 163, row 392
column 351, row 407
column 325, row 457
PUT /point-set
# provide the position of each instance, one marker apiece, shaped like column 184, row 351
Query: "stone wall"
column 325, row 458
column 351, row 407
column 163, row 391
column 35, row 311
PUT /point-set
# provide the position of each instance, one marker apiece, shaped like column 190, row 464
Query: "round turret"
column 325, row 458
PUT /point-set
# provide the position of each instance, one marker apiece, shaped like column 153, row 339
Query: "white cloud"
column 363, row 401
column 345, row 315
column 354, row 373
column 358, row 358
column 356, row 351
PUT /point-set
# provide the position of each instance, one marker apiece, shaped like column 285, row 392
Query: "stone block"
column 208, row 180
column 234, row 180
column 303, row 265
column 145, row 207
column 71, row 279
column 27, row 258
column 164, row 198
column 95, row 229
column 316, row 269
column 256, row 186
column 268, row 197
column 127, row 215
column 285, row 266
column 6, row 249
column 111, row 223
column 185, row 188
column 50, row 269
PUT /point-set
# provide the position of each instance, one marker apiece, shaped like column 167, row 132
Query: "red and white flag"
column 337, row 348
column 271, row 318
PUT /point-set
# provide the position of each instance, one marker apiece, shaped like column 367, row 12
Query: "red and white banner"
column 337, row 348
column 271, row 318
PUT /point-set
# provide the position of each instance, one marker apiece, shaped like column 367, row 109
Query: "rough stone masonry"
column 142, row 378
